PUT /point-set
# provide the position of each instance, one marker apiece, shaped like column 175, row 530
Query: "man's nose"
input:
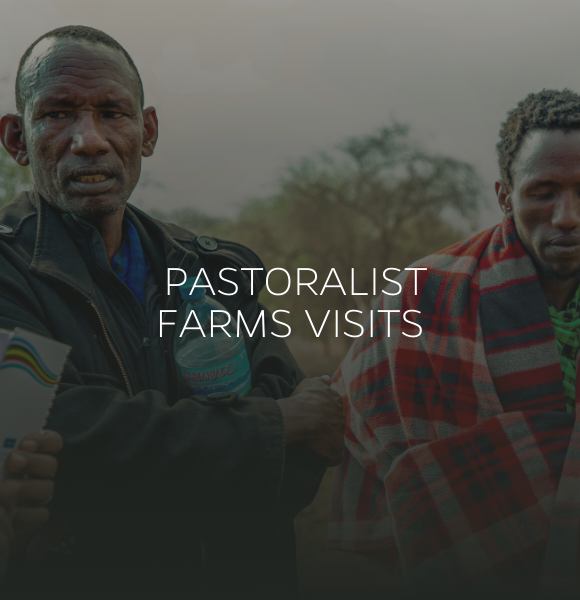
column 567, row 211
column 88, row 139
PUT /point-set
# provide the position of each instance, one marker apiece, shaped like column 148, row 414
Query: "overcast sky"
column 245, row 87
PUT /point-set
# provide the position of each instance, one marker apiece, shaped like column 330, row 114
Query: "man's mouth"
column 92, row 178
column 565, row 245
column 92, row 183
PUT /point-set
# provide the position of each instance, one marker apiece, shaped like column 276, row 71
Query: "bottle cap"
column 198, row 292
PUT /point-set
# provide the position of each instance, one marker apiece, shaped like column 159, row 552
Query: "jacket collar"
column 55, row 254
column 57, row 257
column 154, row 235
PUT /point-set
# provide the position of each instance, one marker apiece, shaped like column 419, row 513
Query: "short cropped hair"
column 548, row 109
column 74, row 32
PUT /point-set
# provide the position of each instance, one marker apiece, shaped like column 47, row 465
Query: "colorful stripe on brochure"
column 22, row 355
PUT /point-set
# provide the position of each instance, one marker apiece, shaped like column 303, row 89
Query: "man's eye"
column 546, row 196
column 112, row 115
column 57, row 114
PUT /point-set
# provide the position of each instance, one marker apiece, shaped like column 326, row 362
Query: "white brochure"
column 30, row 370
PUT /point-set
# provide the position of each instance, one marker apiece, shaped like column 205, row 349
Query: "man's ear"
column 503, row 197
column 150, row 131
column 12, row 137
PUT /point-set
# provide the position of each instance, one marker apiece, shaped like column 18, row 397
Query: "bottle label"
column 232, row 375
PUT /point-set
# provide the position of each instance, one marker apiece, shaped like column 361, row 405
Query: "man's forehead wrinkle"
column 99, row 54
column 76, row 98
column 87, row 69
column 80, row 60
column 78, row 64
column 81, row 76
column 71, row 85
column 72, row 95
column 100, row 90
column 67, row 48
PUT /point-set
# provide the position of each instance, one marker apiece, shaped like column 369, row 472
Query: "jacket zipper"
column 130, row 392
column 113, row 350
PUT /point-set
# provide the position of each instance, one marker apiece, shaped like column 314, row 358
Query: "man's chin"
column 558, row 272
column 90, row 207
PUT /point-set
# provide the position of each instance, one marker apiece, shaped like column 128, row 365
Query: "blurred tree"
column 195, row 220
column 376, row 201
column 13, row 178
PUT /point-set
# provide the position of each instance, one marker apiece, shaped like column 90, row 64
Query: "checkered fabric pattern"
column 461, row 460
column 130, row 264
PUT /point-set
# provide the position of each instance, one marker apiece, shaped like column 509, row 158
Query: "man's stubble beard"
column 550, row 273
column 544, row 268
column 547, row 270
column 71, row 206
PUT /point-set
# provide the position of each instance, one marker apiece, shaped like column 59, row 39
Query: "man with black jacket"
column 159, row 494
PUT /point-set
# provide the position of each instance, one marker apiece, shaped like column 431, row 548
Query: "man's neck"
column 558, row 293
column 110, row 228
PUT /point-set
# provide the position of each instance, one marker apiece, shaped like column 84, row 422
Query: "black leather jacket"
column 167, row 495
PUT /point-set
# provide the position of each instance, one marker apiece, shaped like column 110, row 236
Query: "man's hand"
column 22, row 500
column 27, row 484
column 313, row 414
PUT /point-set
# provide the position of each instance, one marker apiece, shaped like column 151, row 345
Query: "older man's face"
column 545, row 201
column 84, row 127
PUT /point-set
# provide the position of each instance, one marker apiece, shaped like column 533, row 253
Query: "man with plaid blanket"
column 462, row 444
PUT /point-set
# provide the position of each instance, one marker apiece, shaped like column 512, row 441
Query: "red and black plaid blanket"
column 461, row 460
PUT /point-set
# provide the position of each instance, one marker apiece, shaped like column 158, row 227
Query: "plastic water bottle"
column 210, row 366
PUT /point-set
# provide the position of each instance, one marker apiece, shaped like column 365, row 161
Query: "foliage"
column 194, row 220
column 377, row 201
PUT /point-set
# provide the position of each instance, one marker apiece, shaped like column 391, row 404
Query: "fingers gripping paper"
column 30, row 370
